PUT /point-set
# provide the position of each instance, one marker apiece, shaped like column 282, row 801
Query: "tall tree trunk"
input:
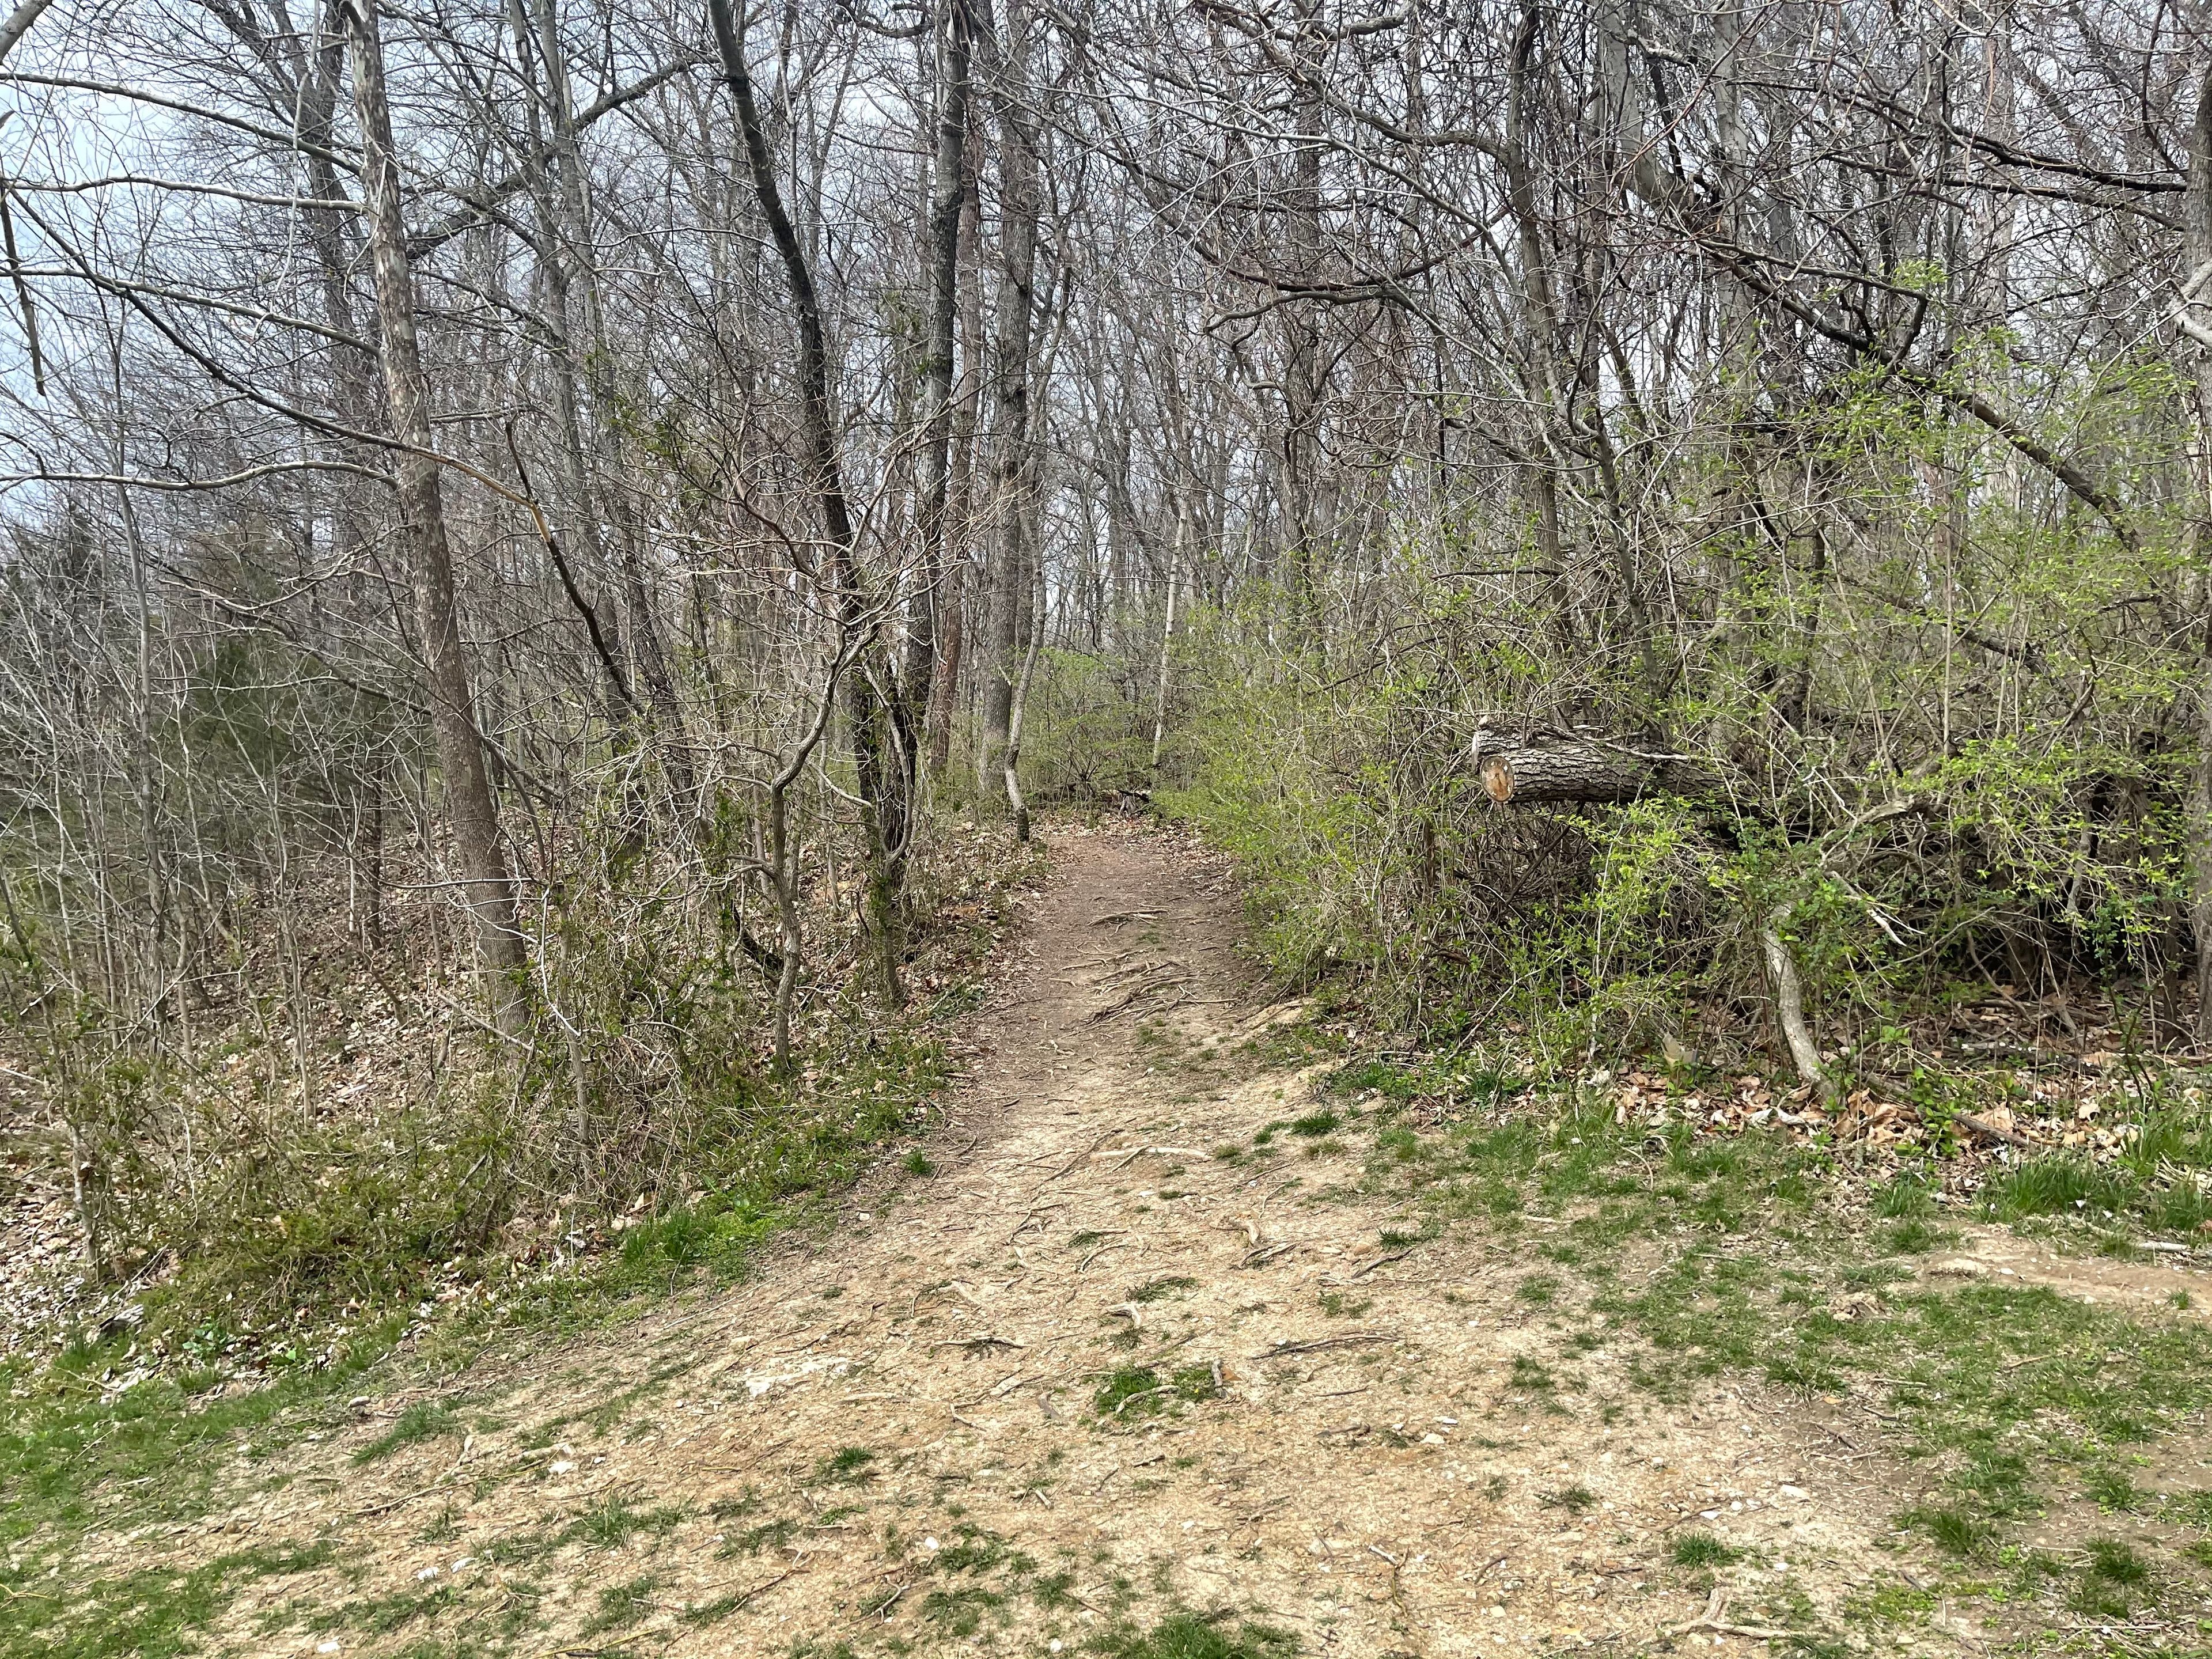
column 948, row 194
column 580, row 361
column 1010, row 395
column 1167, row 639
column 957, row 602
column 486, row 885
column 1016, row 803
column 2198, row 235
column 874, row 712
column 1301, row 369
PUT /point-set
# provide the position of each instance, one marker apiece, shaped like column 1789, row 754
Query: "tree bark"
column 554, row 172
column 486, row 885
column 956, row 600
column 1526, row 765
column 1167, row 639
column 1303, row 381
column 872, row 713
column 1018, row 235
column 948, row 195
column 2197, row 230
column 1015, row 801
column 1789, row 1009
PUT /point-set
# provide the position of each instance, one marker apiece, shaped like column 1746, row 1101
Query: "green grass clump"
column 622, row 1604
column 2116, row 1562
column 2110, row 1489
column 1186, row 1635
column 2055, row 1186
column 151, row 1612
column 1951, row 1527
column 1701, row 1549
column 1138, row 1391
column 611, row 1522
column 1155, row 1290
column 426, row 1419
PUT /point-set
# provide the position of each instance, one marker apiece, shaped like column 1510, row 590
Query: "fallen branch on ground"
column 1348, row 1340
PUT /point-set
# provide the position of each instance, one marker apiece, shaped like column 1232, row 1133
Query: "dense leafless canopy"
column 498, row 488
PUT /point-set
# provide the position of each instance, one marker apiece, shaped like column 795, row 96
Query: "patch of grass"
column 768, row 1535
column 714, row 1612
column 1904, row 1198
column 848, row 1466
column 1128, row 1386
column 1154, row 1289
column 1577, row 1500
column 613, row 1520
column 1701, row 1549
column 425, row 1419
column 1135, row 1391
column 2110, row 1489
column 154, row 1611
column 167, row 1443
column 622, row 1604
column 1337, row 1305
column 2116, row 1562
column 2115, row 1572
column 1187, row 1636
column 974, row 1550
column 1530, row 1376
column 1983, row 1381
column 1917, row 1238
column 382, row 1615
column 958, row 1610
column 1195, row 1382
column 974, row 1553
column 2055, row 1186
column 1893, row 1604
column 2006, row 1394
column 917, row 1163
column 1951, row 1527
column 1313, row 1125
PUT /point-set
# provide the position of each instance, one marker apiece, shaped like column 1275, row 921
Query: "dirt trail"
column 890, row 1438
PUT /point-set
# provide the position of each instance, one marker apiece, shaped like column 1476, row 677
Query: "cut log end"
column 1531, row 767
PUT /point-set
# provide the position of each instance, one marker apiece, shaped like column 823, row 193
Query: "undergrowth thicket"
column 263, row 1192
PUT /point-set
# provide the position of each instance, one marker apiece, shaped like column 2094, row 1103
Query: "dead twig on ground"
column 1366, row 1267
column 884, row 1606
column 1315, row 1344
column 1710, row 1619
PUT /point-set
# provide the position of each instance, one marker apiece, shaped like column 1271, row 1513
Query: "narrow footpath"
column 1109, row 1364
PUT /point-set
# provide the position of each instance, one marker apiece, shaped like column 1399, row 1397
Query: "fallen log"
column 1789, row 1009
column 1527, row 763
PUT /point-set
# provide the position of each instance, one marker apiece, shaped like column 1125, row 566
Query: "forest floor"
column 1168, row 1343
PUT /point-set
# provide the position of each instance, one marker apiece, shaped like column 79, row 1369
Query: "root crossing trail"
column 1085, row 1379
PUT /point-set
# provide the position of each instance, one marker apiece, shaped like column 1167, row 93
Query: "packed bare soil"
column 1081, row 1377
